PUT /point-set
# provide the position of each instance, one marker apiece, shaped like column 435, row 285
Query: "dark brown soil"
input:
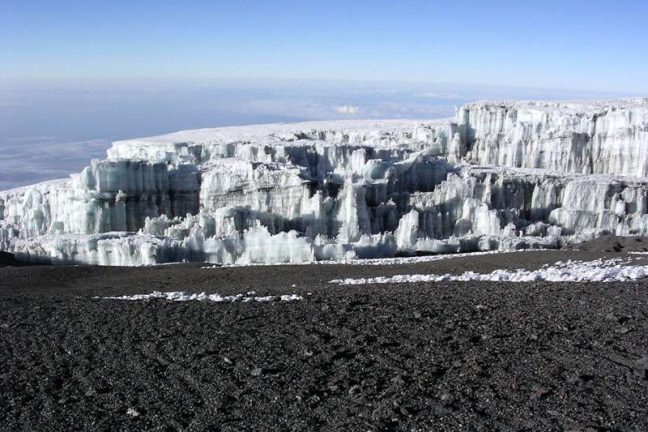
column 414, row 357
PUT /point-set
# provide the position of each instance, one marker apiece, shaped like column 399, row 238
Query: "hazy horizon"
column 49, row 129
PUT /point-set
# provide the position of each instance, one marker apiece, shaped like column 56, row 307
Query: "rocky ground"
column 415, row 357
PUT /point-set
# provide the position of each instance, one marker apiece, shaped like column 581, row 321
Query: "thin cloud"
column 347, row 109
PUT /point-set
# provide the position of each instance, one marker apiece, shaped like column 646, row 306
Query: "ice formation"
column 499, row 176
column 612, row 270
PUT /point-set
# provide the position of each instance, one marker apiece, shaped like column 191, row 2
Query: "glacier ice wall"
column 499, row 176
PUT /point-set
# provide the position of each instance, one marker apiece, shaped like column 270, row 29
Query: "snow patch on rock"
column 183, row 296
column 612, row 270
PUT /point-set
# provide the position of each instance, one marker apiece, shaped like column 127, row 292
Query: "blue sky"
column 588, row 45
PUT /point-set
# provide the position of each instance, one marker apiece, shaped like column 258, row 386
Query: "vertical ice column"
column 352, row 215
column 407, row 232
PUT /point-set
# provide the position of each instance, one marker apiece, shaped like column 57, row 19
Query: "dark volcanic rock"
column 450, row 356
column 612, row 243
column 8, row 259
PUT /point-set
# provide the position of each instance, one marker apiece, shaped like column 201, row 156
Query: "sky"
column 596, row 45
column 77, row 75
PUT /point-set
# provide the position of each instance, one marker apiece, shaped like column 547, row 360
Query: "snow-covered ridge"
column 499, row 176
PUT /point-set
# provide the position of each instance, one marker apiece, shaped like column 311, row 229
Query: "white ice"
column 500, row 176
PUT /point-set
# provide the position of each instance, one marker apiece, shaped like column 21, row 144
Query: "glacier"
column 499, row 176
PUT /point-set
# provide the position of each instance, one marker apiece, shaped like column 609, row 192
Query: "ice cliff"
column 499, row 176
